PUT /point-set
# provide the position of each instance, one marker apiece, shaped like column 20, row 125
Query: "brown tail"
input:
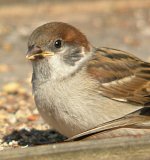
column 128, row 121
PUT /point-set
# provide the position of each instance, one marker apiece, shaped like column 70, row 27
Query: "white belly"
column 71, row 109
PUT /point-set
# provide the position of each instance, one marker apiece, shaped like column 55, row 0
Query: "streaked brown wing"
column 122, row 76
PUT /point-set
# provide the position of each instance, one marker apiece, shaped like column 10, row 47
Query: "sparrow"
column 81, row 90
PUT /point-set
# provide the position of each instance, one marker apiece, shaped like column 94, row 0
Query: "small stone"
column 12, row 119
column 10, row 143
column 5, row 144
column 33, row 117
column 11, row 87
column 23, row 126
column 35, row 111
column 1, row 148
column 13, row 143
column 23, row 114
column 25, row 146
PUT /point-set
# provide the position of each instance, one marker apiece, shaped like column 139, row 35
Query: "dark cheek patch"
column 72, row 57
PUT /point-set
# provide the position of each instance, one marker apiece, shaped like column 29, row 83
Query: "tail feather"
column 133, row 120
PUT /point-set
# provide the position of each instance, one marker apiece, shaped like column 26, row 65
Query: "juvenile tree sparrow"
column 78, row 87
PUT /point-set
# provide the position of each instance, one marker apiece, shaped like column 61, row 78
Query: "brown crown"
column 54, row 30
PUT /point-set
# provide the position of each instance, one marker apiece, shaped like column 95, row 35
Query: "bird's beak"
column 36, row 52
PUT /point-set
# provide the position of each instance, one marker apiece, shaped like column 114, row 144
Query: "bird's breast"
column 74, row 106
column 65, row 105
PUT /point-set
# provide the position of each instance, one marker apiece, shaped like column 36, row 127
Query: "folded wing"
column 122, row 76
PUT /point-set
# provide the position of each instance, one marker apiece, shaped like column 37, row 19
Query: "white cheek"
column 59, row 69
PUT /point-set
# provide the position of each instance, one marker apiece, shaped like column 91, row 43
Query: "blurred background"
column 120, row 24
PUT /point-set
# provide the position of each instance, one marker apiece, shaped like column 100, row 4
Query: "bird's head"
column 60, row 46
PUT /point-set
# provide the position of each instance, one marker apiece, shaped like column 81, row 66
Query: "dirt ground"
column 121, row 24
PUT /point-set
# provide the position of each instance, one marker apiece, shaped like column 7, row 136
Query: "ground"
column 121, row 24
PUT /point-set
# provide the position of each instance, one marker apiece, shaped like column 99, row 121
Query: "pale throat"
column 61, row 70
column 56, row 68
column 41, row 70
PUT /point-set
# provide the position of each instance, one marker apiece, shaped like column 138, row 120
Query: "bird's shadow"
column 34, row 137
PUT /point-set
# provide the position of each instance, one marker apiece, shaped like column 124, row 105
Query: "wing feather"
column 122, row 76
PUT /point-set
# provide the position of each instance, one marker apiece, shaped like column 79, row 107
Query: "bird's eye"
column 58, row 43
